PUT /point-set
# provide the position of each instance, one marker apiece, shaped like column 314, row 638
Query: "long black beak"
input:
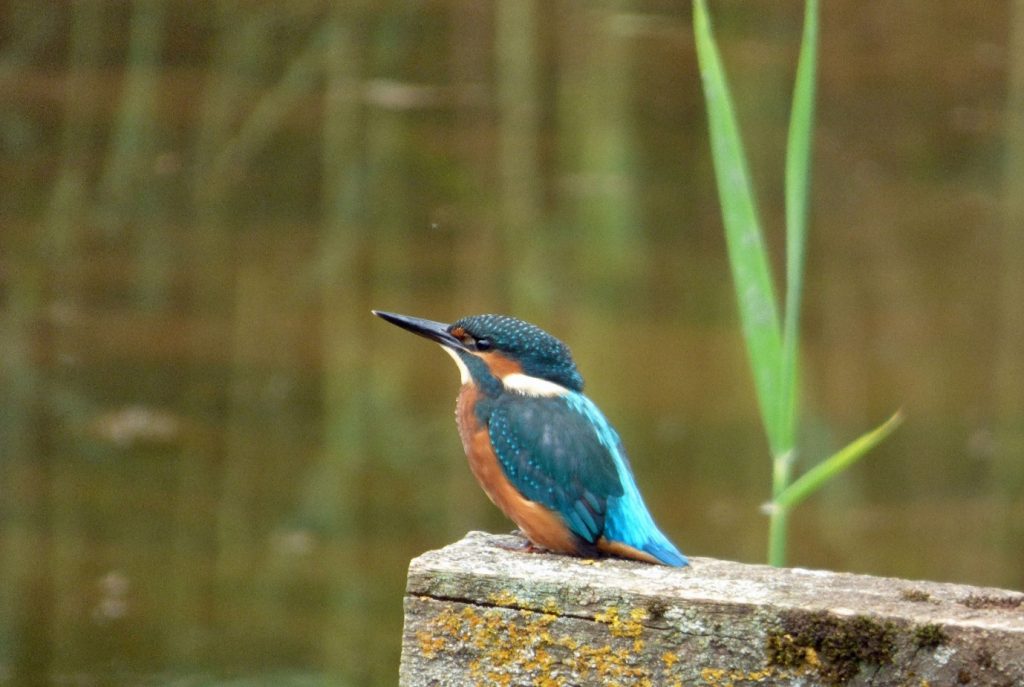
column 435, row 331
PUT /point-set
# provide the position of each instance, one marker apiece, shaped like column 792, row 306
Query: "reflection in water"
column 216, row 465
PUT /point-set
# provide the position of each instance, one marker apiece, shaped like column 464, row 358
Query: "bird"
column 543, row 452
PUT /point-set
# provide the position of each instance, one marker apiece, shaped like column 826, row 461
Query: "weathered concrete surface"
column 478, row 614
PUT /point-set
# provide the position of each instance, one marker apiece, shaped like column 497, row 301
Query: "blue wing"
column 552, row 455
column 561, row 452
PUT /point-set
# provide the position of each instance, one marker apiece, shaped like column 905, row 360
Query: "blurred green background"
column 216, row 464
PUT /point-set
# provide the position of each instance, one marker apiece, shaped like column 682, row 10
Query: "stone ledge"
column 479, row 614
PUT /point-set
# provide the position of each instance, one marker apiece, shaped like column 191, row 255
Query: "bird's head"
column 493, row 350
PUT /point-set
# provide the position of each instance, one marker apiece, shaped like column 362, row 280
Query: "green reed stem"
column 772, row 348
column 798, row 183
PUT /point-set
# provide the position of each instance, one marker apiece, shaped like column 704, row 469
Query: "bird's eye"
column 484, row 344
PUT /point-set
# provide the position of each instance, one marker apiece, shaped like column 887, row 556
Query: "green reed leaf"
column 816, row 477
column 748, row 258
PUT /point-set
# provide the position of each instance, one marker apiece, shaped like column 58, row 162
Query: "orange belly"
column 542, row 526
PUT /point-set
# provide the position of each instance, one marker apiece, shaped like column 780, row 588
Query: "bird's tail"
column 665, row 551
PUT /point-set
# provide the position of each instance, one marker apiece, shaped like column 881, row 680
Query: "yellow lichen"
column 620, row 627
column 429, row 644
column 722, row 677
column 713, row 676
column 507, row 645
column 545, row 680
column 503, row 598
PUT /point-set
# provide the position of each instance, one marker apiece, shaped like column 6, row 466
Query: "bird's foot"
column 525, row 546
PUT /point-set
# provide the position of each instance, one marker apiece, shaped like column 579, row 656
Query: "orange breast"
column 542, row 526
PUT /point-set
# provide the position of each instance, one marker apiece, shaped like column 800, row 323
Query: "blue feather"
column 549, row 452
column 628, row 520
column 561, row 452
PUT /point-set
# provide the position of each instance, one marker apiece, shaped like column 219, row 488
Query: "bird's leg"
column 525, row 546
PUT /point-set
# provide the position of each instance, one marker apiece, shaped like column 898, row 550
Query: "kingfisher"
column 542, row 451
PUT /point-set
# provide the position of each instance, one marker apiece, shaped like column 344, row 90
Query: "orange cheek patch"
column 499, row 365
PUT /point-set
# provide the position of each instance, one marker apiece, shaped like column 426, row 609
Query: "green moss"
column 833, row 647
column 978, row 601
column 918, row 595
column 656, row 609
column 930, row 636
column 783, row 651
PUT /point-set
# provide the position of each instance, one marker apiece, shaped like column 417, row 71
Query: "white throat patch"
column 463, row 370
column 517, row 382
column 532, row 386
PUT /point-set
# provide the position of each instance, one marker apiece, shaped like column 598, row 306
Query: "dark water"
column 216, row 464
